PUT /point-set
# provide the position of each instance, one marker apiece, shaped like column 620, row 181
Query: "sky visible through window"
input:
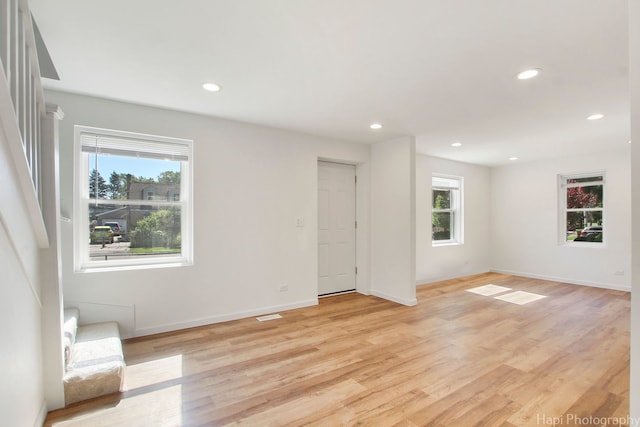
column 147, row 168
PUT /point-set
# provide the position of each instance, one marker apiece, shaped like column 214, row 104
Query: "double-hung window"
column 582, row 208
column 446, row 210
column 133, row 200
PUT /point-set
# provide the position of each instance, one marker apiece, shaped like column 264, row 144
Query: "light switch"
column 300, row 221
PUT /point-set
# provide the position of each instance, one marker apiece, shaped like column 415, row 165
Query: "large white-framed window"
column 582, row 205
column 132, row 200
column 446, row 210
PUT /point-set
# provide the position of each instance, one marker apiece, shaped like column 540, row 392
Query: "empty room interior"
column 320, row 213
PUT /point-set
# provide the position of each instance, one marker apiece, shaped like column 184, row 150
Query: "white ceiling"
column 442, row 70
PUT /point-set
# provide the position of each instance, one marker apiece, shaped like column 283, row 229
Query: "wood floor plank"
column 454, row 359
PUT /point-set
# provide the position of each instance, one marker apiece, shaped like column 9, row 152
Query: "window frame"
column 81, row 200
column 563, row 210
column 455, row 184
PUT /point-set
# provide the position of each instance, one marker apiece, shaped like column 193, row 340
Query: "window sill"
column 93, row 268
column 592, row 245
column 435, row 245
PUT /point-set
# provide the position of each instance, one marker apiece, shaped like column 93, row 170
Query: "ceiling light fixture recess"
column 595, row 116
column 528, row 74
column 457, row 144
column 375, row 126
column 211, row 87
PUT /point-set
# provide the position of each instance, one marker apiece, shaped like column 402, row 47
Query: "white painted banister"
column 22, row 105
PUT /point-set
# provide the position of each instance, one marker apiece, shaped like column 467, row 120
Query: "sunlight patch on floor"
column 488, row 290
column 502, row 293
column 153, row 372
column 163, row 408
column 520, row 297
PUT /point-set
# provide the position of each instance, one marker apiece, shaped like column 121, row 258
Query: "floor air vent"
column 268, row 317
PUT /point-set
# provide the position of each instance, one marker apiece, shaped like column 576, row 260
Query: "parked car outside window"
column 102, row 234
column 115, row 227
column 594, row 229
column 590, row 234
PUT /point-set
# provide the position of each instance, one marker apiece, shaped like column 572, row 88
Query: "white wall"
column 393, row 219
column 525, row 221
column 21, row 389
column 634, row 70
column 250, row 185
column 472, row 257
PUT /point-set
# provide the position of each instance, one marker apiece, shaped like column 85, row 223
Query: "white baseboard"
column 223, row 318
column 441, row 278
column 564, row 280
column 403, row 301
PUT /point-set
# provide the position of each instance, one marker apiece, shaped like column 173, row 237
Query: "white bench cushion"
column 69, row 332
column 96, row 363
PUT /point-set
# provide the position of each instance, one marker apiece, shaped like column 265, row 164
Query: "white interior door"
column 336, row 228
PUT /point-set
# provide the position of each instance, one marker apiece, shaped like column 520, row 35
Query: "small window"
column 446, row 210
column 121, row 217
column 582, row 208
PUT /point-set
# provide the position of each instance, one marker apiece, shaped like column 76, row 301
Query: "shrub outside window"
column 446, row 210
column 139, row 187
column 582, row 201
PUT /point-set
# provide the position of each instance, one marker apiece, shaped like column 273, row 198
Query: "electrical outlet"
column 283, row 288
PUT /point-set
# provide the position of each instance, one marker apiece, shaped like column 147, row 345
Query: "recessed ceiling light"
column 375, row 126
column 528, row 74
column 595, row 116
column 211, row 87
column 513, row 158
column 457, row 144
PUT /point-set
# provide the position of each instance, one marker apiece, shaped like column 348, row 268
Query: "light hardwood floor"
column 455, row 359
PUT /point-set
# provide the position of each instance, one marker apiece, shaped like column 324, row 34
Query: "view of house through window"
column 446, row 210
column 133, row 199
column 583, row 204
